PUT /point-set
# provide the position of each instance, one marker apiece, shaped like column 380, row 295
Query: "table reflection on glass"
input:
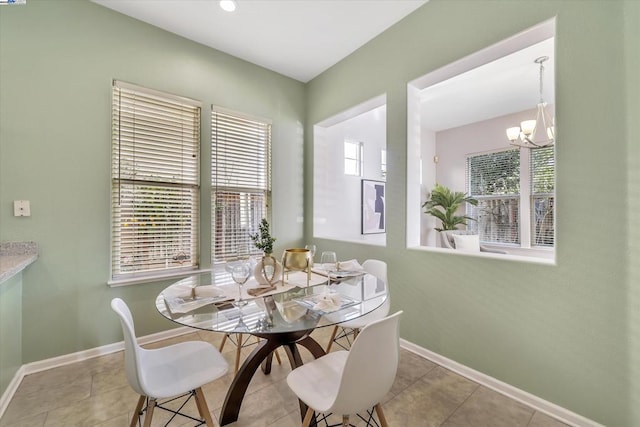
column 284, row 317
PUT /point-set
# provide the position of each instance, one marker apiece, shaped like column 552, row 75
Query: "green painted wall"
column 566, row 333
column 632, row 89
column 10, row 329
column 57, row 61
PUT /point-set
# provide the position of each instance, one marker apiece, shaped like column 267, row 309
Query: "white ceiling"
column 506, row 85
column 297, row 38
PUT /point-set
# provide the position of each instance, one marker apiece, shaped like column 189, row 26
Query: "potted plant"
column 268, row 268
column 262, row 239
column 444, row 203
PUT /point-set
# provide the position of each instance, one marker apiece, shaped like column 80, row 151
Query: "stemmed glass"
column 328, row 260
column 240, row 273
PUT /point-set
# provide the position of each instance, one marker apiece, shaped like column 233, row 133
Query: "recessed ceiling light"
column 228, row 5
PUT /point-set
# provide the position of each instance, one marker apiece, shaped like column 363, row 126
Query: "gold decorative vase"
column 298, row 259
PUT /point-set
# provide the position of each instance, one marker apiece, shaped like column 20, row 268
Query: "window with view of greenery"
column 155, row 179
column 543, row 196
column 240, row 182
column 504, row 195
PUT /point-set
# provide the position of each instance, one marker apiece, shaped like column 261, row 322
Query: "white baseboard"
column 539, row 404
column 528, row 399
column 11, row 390
column 43, row 365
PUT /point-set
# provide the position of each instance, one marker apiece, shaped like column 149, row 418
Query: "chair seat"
column 316, row 383
column 179, row 368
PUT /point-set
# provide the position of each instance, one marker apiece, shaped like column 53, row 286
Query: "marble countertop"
column 15, row 257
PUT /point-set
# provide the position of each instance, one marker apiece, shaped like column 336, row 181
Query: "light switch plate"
column 21, row 208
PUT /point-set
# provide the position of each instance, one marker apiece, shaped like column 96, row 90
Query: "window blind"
column 542, row 167
column 240, row 182
column 494, row 180
column 155, row 181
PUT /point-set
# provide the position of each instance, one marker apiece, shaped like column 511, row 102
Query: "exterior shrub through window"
column 515, row 204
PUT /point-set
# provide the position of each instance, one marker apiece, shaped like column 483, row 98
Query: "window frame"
column 526, row 197
column 357, row 160
column 238, row 184
column 158, row 135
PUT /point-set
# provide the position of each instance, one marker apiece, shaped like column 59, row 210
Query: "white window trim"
column 170, row 101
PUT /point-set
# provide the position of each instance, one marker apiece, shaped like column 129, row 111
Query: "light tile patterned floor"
column 95, row 393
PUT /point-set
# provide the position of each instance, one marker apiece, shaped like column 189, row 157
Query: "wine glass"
column 328, row 260
column 240, row 273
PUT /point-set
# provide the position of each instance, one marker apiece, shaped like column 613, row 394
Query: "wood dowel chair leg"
column 136, row 413
column 307, row 418
column 203, row 409
column 277, row 357
column 151, row 405
column 238, row 352
column 381, row 418
column 224, row 340
column 345, row 421
column 333, row 336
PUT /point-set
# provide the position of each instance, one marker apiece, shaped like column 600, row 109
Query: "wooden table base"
column 262, row 355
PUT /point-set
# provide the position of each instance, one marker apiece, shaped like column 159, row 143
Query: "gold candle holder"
column 297, row 259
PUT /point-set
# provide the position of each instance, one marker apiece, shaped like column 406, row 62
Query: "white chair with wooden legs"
column 351, row 382
column 379, row 269
column 240, row 343
column 176, row 370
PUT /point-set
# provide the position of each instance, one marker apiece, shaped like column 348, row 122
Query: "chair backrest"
column 371, row 366
column 132, row 351
column 376, row 267
column 379, row 269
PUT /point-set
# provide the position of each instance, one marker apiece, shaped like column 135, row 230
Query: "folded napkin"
column 328, row 302
column 350, row 265
column 179, row 291
column 186, row 298
column 208, row 291
column 256, row 292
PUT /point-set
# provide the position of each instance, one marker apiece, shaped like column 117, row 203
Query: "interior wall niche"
column 461, row 111
column 337, row 191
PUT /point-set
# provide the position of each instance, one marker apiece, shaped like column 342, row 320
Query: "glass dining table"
column 283, row 317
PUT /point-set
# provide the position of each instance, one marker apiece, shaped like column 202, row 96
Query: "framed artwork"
column 373, row 207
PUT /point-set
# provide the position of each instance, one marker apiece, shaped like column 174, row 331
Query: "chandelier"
column 539, row 132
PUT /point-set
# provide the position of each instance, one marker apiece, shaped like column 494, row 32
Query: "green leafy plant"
column 262, row 239
column 443, row 204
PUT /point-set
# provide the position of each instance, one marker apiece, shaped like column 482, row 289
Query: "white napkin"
column 179, row 291
column 328, row 302
column 349, row 265
column 208, row 291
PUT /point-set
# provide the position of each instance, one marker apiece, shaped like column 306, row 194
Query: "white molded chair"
column 179, row 369
column 350, row 382
column 379, row 269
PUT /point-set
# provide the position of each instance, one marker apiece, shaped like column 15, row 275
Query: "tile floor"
column 95, row 393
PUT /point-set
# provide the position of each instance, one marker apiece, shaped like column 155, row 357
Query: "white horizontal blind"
column 494, row 180
column 542, row 166
column 240, row 182
column 155, row 182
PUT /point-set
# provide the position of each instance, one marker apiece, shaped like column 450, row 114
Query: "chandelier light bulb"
column 228, row 5
column 525, row 135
